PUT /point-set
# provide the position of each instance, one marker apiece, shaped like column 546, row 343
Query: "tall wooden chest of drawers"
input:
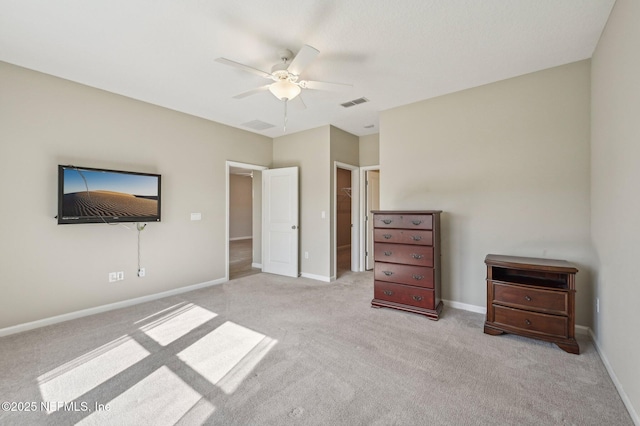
column 532, row 298
column 407, row 261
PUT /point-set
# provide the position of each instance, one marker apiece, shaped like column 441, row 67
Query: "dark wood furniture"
column 532, row 298
column 407, row 261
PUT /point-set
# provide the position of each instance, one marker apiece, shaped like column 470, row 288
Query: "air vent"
column 355, row 102
column 258, row 125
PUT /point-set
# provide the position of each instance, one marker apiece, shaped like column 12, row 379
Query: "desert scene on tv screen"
column 108, row 194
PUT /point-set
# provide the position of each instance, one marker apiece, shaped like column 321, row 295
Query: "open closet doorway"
column 343, row 220
column 346, row 224
column 244, row 219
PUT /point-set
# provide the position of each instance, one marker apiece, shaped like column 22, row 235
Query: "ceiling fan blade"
column 252, row 92
column 244, row 67
column 324, row 85
column 303, row 59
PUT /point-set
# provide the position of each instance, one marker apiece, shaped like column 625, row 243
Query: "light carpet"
column 270, row 350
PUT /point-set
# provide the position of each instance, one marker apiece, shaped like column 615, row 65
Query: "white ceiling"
column 392, row 52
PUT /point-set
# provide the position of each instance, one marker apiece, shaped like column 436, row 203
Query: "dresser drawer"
column 420, row 276
column 404, row 294
column 531, row 321
column 401, row 253
column 406, row 221
column 401, row 236
column 531, row 298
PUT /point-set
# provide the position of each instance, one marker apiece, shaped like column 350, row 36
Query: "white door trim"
column 228, row 166
column 355, row 215
column 363, row 207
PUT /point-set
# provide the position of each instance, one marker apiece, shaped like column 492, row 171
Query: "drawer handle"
column 527, row 298
column 418, row 277
column 388, row 292
column 417, row 256
column 387, row 273
column 417, row 298
column 416, row 222
column 387, row 221
column 387, row 236
column 527, row 322
column 388, row 253
column 416, row 237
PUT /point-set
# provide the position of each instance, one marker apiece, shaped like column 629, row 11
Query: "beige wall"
column 615, row 198
column 315, row 151
column 344, row 147
column 345, row 150
column 309, row 150
column 508, row 163
column 369, row 150
column 240, row 207
column 49, row 269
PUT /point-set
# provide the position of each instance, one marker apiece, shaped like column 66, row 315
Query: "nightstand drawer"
column 408, row 221
column 531, row 321
column 403, row 294
column 419, row 276
column 531, row 298
column 401, row 236
column 401, row 253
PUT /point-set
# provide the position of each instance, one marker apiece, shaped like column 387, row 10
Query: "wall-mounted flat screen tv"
column 87, row 195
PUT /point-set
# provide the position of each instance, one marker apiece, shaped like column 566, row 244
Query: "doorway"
column 343, row 220
column 244, row 220
column 346, row 242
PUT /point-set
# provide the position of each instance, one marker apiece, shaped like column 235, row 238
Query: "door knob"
column 294, row 227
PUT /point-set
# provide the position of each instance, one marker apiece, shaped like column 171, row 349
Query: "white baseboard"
column 256, row 265
column 241, row 238
column 465, row 306
column 623, row 395
column 584, row 330
column 104, row 308
column 315, row 277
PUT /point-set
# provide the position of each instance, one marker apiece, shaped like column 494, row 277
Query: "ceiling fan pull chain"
column 285, row 116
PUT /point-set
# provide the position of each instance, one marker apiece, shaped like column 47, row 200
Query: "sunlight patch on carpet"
column 156, row 314
column 227, row 355
column 176, row 324
column 161, row 398
column 77, row 377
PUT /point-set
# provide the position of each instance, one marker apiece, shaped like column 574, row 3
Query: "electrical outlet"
column 120, row 276
column 113, row 277
column 141, row 272
column 306, row 254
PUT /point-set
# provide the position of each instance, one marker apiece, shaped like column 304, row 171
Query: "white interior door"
column 373, row 203
column 280, row 221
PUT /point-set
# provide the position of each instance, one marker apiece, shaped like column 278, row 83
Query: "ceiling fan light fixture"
column 284, row 89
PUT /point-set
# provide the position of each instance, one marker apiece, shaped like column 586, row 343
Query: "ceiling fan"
column 286, row 75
